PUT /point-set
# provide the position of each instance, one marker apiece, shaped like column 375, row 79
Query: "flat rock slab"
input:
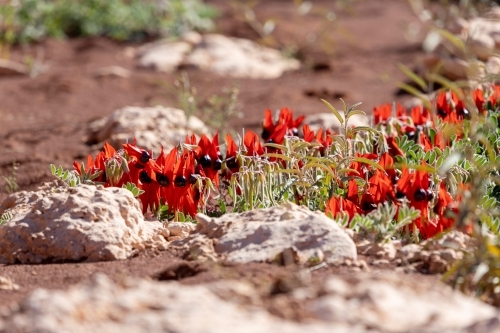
column 141, row 306
column 227, row 56
column 86, row 222
column 389, row 304
column 271, row 234
column 358, row 303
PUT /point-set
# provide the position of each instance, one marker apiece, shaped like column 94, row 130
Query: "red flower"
column 394, row 149
column 325, row 139
column 425, row 142
column 380, row 190
column 363, row 169
column 479, row 100
column 231, row 159
column 387, row 162
column 252, row 144
column 99, row 165
column 209, row 157
column 278, row 136
column 142, row 172
column 420, row 115
column 383, row 112
column 308, row 134
column 175, row 181
column 285, row 118
column 338, row 204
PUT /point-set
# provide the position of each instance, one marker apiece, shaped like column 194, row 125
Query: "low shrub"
column 34, row 20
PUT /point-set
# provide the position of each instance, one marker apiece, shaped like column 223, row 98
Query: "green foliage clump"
column 34, row 20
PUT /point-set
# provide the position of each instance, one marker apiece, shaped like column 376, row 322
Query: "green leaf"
column 321, row 166
column 355, row 112
column 279, row 156
column 365, row 128
column 452, row 38
column 334, row 110
column 369, row 162
column 133, row 189
column 413, row 76
column 447, row 84
column 415, row 92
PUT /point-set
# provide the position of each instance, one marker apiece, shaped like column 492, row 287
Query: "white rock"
column 379, row 250
column 241, row 58
column 410, row 253
column 86, row 222
column 483, row 46
column 227, row 56
column 481, row 37
column 144, row 306
column 151, row 126
column 266, row 234
column 329, row 121
column 163, row 55
column 354, row 303
column 9, row 68
column 182, row 229
column 454, row 239
column 454, row 68
column 7, row 284
column 112, row 71
column 493, row 65
column 389, row 304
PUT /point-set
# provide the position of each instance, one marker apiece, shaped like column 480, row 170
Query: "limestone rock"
column 354, row 303
column 454, row 239
column 151, row 126
column 164, row 56
column 481, row 37
column 483, row 46
column 493, row 65
column 7, row 284
column 12, row 68
column 379, row 250
column 181, row 229
column 240, row 58
column 112, row 71
column 437, row 255
column 86, row 222
column 328, row 120
column 265, row 235
column 388, row 303
column 144, row 306
column 227, row 56
column 454, row 68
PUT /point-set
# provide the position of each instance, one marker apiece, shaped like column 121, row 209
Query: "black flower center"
column 144, row 177
column 265, row 134
column 217, row 164
column 368, row 206
column 144, row 157
column 193, row 178
column 162, row 179
column 180, row 181
column 430, row 195
column 420, row 195
column 205, row 161
column 232, row 163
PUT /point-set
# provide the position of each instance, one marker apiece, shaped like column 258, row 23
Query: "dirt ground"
column 44, row 119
